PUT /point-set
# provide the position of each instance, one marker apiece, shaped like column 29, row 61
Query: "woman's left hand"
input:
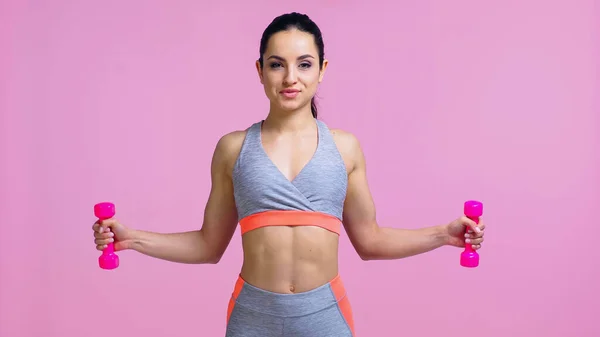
column 465, row 231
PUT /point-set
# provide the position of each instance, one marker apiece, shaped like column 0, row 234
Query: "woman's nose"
column 290, row 77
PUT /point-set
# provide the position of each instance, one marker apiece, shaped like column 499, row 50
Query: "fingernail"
column 468, row 241
column 100, row 230
column 111, row 234
column 467, row 235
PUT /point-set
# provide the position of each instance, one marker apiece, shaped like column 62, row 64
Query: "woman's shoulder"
column 229, row 147
column 345, row 140
column 232, row 138
column 348, row 146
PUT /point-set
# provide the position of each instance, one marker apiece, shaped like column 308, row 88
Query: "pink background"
column 125, row 100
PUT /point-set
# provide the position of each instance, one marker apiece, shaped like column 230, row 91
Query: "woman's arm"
column 371, row 241
column 206, row 245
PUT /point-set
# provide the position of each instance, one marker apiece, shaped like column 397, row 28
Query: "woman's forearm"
column 396, row 243
column 186, row 247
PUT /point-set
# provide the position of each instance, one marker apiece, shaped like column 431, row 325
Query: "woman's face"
column 290, row 72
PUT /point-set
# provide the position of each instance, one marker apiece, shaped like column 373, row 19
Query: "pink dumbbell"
column 108, row 259
column 469, row 257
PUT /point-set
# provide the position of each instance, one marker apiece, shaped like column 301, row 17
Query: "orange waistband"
column 290, row 218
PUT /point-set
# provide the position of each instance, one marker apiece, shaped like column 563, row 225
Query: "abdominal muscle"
column 289, row 259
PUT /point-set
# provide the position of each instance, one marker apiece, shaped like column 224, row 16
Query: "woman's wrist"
column 132, row 240
column 443, row 235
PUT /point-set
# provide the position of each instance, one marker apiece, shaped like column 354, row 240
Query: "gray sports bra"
column 265, row 197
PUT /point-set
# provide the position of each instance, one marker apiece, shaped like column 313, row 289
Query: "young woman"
column 291, row 183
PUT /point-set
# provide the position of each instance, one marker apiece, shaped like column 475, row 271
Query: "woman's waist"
column 288, row 279
column 287, row 275
column 254, row 296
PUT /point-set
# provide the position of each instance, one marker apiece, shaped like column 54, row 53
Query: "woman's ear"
column 259, row 70
column 322, row 72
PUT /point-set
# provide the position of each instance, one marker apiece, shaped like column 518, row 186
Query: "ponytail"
column 313, row 107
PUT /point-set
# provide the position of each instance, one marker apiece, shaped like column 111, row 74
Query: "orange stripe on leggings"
column 236, row 292
column 339, row 291
column 290, row 218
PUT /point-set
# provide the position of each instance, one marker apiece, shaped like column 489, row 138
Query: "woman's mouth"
column 290, row 93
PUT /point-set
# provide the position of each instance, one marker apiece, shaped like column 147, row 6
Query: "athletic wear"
column 265, row 197
column 321, row 312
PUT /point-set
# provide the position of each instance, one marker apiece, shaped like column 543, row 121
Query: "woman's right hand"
column 111, row 230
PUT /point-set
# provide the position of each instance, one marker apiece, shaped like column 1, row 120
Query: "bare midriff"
column 289, row 259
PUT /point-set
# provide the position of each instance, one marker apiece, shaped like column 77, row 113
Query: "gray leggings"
column 321, row 312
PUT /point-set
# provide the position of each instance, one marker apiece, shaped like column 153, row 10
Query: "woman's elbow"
column 366, row 241
column 208, row 260
column 210, row 249
column 213, row 258
column 366, row 249
column 209, row 255
column 366, row 254
column 213, row 261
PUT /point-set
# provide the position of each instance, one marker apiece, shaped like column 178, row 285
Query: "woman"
column 290, row 182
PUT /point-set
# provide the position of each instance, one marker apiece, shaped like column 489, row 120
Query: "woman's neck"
column 289, row 121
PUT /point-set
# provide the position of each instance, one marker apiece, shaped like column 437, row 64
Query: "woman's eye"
column 275, row 65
